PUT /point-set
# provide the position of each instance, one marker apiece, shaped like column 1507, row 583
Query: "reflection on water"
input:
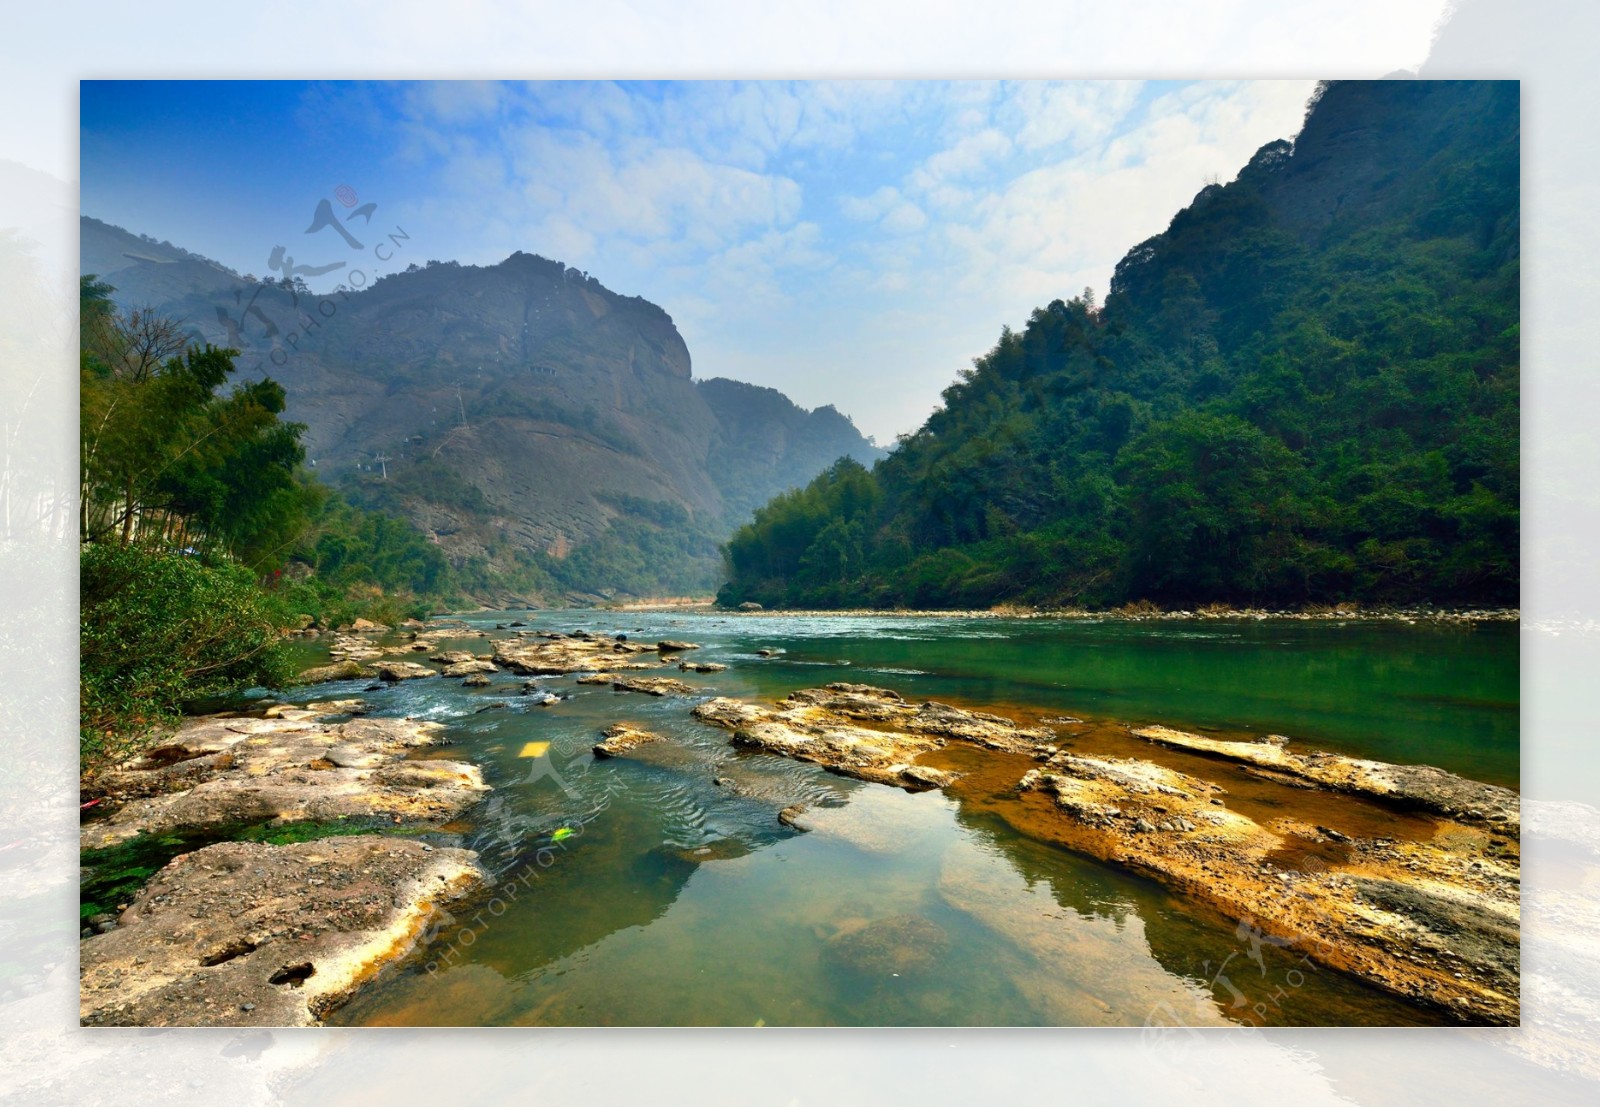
column 661, row 888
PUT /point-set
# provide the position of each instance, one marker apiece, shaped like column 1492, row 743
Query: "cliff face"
column 519, row 408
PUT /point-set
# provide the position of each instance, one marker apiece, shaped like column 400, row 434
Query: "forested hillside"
column 1304, row 391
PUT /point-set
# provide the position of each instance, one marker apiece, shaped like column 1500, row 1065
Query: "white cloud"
column 1081, row 112
column 905, row 218
column 970, row 154
column 870, row 207
column 870, row 238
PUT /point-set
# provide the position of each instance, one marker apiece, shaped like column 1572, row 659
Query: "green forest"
column 1303, row 392
column 202, row 534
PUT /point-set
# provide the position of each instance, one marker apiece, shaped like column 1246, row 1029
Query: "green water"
column 643, row 890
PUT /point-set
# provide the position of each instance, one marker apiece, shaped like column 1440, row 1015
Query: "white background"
column 46, row 48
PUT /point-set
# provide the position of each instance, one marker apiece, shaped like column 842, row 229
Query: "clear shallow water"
column 671, row 898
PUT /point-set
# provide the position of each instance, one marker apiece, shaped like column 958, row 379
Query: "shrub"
column 156, row 629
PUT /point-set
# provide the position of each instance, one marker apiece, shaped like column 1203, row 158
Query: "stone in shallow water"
column 901, row 946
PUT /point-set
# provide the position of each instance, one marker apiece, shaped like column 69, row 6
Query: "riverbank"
column 240, row 931
column 1131, row 613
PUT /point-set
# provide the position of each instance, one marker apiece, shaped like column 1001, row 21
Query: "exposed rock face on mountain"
column 519, row 408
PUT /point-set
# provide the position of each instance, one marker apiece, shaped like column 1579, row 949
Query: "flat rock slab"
column 653, row 686
column 820, row 725
column 469, row 667
column 872, row 704
column 567, row 655
column 622, row 738
column 811, row 734
column 402, row 671
column 276, row 936
column 223, row 770
column 1426, row 787
column 347, row 670
column 1433, row 921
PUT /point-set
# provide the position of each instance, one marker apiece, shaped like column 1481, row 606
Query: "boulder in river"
column 276, row 936
column 403, row 671
column 811, row 734
column 567, row 655
column 474, row 665
column 654, row 686
column 621, row 738
column 347, row 670
column 222, row 771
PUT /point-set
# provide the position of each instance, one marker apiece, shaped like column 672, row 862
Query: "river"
column 661, row 888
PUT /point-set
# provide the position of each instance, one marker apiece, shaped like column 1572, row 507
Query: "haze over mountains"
column 517, row 412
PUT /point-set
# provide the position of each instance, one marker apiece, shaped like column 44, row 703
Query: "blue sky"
column 853, row 243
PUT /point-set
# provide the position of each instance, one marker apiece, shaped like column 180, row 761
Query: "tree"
column 165, row 455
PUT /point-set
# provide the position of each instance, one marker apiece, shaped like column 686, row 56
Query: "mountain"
column 533, row 421
column 1304, row 391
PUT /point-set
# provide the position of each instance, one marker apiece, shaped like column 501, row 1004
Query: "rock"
column 901, row 946
column 347, row 670
column 403, row 671
column 811, row 734
column 672, row 646
column 1426, row 787
column 451, row 657
column 567, row 655
column 543, row 699
column 790, row 816
column 749, row 606
column 235, row 933
column 229, row 770
column 463, row 669
column 768, row 652
column 347, row 707
column 621, row 738
column 653, row 686
column 411, row 623
column 868, row 702
column 349, row 756
column 476, row 681
column 1391, row 938
column 367, row 626
column 597, row 679
column 701, row 667
column 289, row 711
